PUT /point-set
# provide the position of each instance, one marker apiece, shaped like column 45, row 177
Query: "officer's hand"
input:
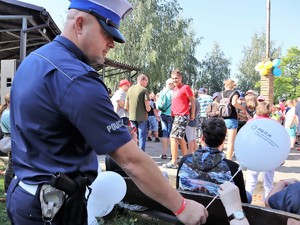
column 193, row 214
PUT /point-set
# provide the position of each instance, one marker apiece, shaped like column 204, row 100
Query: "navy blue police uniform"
column 62, row 117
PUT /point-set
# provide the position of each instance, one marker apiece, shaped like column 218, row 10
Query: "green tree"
column 290, row 79
column 191, row 63
column 158, row 40
column 247, row 77
column 283, row 86
column 214, row 69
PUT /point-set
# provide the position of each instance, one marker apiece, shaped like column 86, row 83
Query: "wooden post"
column 267, row 86
column 267, row 81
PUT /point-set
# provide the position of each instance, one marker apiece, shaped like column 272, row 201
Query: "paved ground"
column 290, row 169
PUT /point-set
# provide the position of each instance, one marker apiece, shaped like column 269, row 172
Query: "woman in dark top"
column 231, row 121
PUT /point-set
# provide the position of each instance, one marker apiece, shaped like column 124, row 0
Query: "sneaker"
column 156, row 140
column 170, row 165
column 163, row 156
column 149, row 139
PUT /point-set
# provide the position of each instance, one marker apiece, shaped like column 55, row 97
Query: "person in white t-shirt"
column 118, row 100
column 291, row 122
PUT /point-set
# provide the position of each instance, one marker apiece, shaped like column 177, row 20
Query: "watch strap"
column 231, row 217
column 234, row 215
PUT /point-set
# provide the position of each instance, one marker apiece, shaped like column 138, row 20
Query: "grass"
column 117, row 217
column 3, row 215
column 124, row 217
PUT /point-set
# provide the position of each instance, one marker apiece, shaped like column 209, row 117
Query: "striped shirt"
column 204, row 100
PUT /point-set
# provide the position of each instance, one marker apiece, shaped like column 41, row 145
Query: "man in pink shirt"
column 183, row 110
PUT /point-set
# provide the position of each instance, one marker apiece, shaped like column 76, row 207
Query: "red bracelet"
column 181, row 208
column 133, row 130
column 285, row 183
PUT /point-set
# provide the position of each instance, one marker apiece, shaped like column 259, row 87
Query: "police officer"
column 62, row 117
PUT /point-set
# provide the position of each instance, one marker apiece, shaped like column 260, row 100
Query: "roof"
column 25, row 27
column 114, row 68
column 14, row 15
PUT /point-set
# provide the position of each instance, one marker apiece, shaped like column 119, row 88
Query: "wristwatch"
column 239, row 215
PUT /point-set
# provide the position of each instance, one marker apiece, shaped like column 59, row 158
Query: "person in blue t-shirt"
column 166, row 119
column 285, row 196
column 153, row 119
column 5, row 129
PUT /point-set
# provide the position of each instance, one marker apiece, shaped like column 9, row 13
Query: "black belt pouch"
column 74, row 209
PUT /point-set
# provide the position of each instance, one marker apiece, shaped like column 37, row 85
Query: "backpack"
column 225, row 107
column 162, row 103
column 191, row 178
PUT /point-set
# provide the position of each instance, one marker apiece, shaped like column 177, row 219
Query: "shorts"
column 166, row 125
column 191, row 133
column 231, row 124
column 179, row 126
column 153, row 123
column 292, row 131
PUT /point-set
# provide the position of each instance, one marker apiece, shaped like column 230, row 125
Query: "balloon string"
column 218, row 193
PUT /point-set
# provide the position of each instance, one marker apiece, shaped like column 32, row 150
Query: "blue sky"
column 230, row 23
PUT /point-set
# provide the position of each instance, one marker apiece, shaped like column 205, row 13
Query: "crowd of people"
column 179, row 112
column 62, row 116
column 192, row 122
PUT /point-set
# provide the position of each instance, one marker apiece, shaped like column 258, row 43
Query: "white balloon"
column 92, row 220
column 98, row 209
column 94, row 207
column 106, row 210
column 109, row 188
column 262, row 144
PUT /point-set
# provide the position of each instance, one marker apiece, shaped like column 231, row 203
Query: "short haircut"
column 169, row 81
column 141, row 77
column 176, row 72
column 263, row 109
column 214, row 131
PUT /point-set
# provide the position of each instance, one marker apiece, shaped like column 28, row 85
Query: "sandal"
column 163, row 156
